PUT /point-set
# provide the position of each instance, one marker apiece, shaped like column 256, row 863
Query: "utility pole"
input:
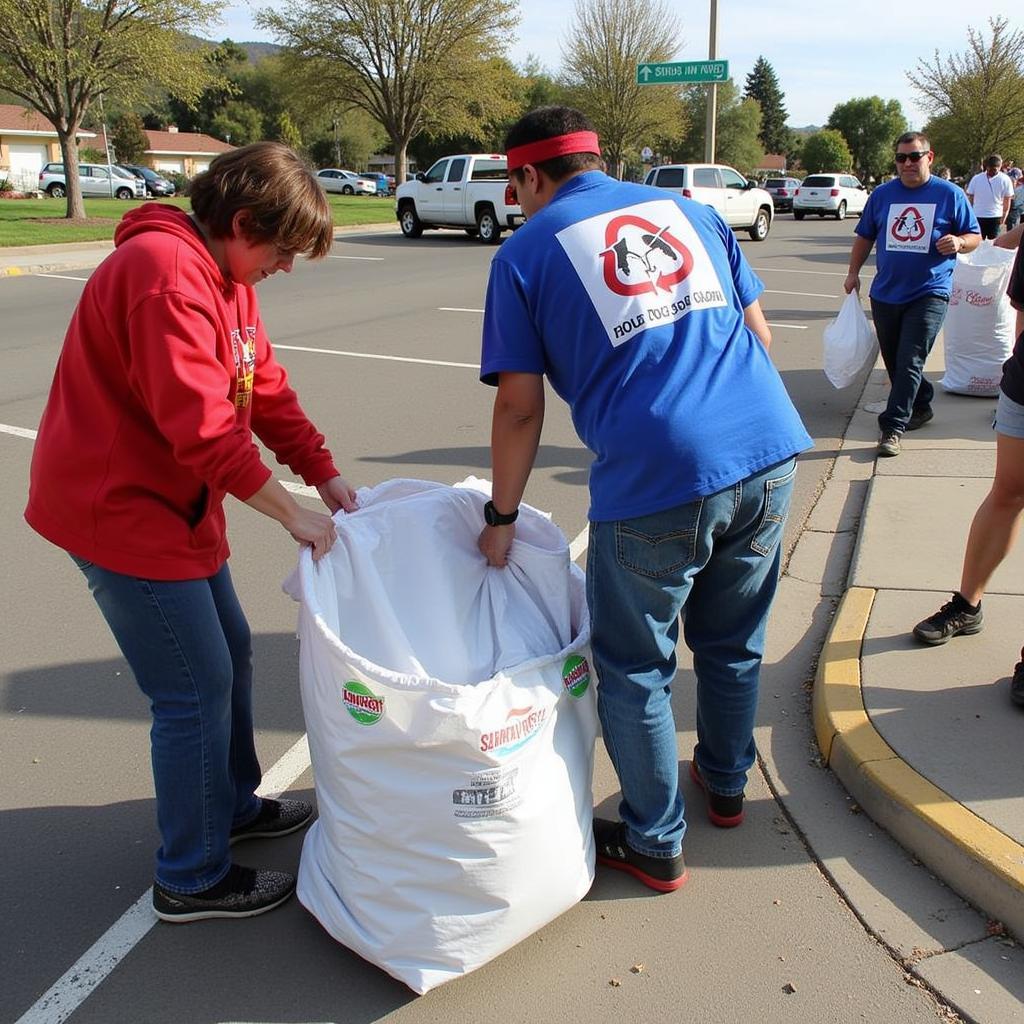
column 709, row 131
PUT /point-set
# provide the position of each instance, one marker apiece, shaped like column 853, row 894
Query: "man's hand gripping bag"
column 450, row 709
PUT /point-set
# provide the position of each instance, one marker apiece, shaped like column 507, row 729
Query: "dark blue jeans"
column 906, row 332
column 719, row 557
column 189, row 646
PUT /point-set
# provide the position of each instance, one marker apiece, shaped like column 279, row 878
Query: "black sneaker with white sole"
column 955, row 618
column 276, row 818
column 242, row 892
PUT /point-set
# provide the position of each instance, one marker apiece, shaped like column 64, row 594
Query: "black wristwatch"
column 495, row 518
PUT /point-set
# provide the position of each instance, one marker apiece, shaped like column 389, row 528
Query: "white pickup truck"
column 470, row 191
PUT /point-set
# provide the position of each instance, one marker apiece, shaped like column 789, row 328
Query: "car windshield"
column 819, row 181
column 775, row 183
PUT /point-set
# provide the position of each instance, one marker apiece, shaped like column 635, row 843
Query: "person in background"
column 165, row 375
column 1013, row 217
column 996, row 523
column 641, row 310
column 990, row 192
column 920, row 223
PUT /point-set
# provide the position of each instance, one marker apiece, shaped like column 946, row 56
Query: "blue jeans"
column 906, row 332
column 189, row 646
column 719, row 557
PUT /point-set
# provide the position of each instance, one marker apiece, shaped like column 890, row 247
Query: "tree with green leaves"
column 737, row 142
column 871, row 127
column 605, row 42
column 975, row 99
column 763, row 86
column 129, row 138
column 427, row 66
column 826, row 151
column 59, row 56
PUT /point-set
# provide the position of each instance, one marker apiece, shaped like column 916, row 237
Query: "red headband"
column 557, row 145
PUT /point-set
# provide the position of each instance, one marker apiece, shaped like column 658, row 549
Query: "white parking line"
column 369, row 355
column 63, row 277
column 457, row 309
column 806, row 295
column 81, row 978
column 6, row 428
column 792, row 327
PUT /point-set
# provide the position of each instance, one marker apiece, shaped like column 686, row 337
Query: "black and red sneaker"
column 663, row 874
column 723, row 811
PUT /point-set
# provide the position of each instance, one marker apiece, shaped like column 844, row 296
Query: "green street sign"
column 682, row 71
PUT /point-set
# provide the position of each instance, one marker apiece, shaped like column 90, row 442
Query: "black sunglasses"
column 913, row 157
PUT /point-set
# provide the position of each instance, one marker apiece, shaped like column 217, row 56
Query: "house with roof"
column 186, row 153
column 27, row 141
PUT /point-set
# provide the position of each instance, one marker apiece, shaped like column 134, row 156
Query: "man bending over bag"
column 643, row 313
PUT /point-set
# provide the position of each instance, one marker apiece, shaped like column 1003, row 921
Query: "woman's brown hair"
column 269, row 182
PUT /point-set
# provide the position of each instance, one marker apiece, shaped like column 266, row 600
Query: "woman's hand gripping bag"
column 450, row 710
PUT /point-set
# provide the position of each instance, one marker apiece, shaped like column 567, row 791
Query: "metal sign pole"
column 709, row 132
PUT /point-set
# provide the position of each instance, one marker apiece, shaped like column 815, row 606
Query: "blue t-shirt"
column 631, row 300
column 905, row 223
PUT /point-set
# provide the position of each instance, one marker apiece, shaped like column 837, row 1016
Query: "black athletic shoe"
column 663, row 874
column 1017, row 684
column 919, row 417
column 276, row 818
column 242, row 892
column 723, row 811
column 954, row 618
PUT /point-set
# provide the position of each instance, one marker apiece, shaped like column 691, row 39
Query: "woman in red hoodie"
column 165, row 374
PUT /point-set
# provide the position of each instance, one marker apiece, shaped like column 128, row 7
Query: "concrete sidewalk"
column 926, row 738
column 67, row 256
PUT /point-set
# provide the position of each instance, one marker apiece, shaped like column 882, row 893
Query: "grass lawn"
column 42, row 221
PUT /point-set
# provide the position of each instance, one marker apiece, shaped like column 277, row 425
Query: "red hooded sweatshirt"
column 165, row 374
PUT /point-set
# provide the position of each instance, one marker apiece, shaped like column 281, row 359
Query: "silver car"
column 348, row 183
column 94, row 179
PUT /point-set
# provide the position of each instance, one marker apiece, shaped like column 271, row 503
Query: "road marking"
column 579, row 545
column 6, row 428
column 800, row 270
column 371, row 259
column 792, row 327
column 303, row 489
column 806, row 295
column 457, row 309
column 79, row 981
column 63, row 277
column 369, row 355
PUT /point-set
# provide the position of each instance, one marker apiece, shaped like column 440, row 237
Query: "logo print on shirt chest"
column 244, row 351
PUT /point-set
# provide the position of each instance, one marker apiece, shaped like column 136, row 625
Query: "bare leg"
column 997, row 521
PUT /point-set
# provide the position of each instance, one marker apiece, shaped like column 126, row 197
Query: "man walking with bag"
column 920, row 223
column 641, row 310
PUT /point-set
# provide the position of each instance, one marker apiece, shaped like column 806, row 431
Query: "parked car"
column 781, row 190
column 741, row 203
column 348, row 183
column 156, row 184
column 385, row 185
column 470, row 191
column 95, row 180
column 834, row 194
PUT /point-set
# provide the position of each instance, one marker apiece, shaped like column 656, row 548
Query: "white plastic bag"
column 849, row 343
column 450, row 710
column 978, row 333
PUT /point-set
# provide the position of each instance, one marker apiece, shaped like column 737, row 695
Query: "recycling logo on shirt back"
column 642, row 258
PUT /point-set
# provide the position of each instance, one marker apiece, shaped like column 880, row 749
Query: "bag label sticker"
column 362, row 703
column 909, row 227
column 576, row 675
column 489, row 794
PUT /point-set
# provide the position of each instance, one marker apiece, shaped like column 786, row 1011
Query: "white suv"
column 740, row 202
column 834, row 194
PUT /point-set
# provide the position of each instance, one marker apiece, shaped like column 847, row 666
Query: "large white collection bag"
column 978, row 332
column 450, row 710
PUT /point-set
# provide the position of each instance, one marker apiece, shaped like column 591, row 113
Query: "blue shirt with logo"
column 905, row 223
column 631, row 300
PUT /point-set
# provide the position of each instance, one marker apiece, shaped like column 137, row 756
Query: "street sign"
column 682, row 71
column 647, row 154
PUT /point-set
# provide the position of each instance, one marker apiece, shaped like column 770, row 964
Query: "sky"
column 822, row 53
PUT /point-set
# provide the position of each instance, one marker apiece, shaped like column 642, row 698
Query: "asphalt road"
column 381, row 341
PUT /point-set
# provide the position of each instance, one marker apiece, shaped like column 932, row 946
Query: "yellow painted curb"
column 847, row 737
column 10, row 271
